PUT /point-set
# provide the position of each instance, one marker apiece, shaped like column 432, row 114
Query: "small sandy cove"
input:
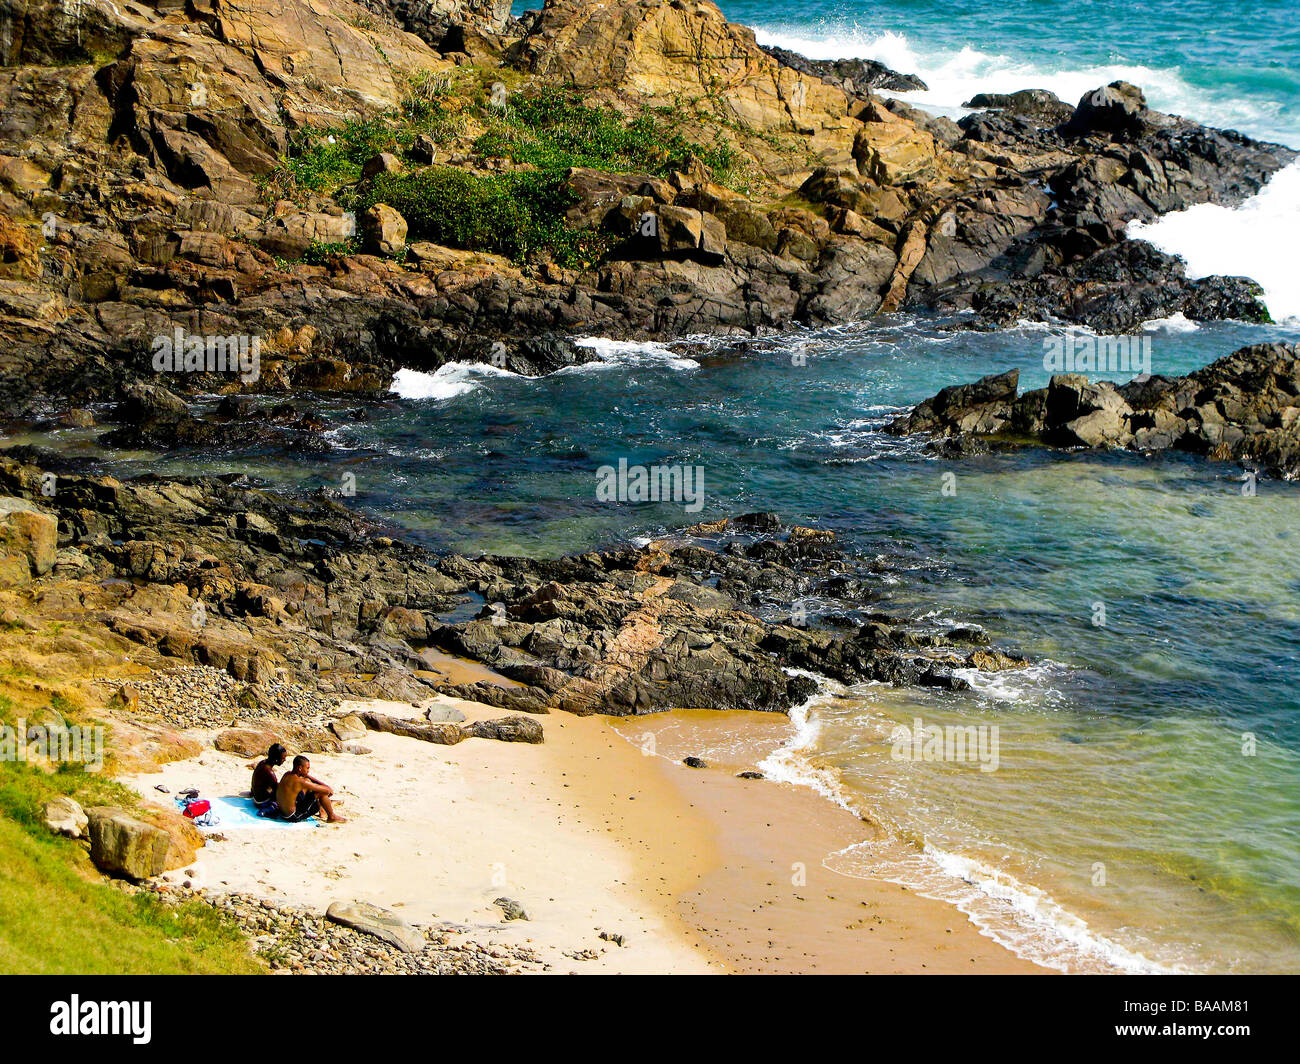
column 690, row 866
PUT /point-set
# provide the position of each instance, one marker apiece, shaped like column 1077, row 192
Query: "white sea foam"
column 1017, row 915
column 447, row 382
column 953, row 76
column 1254, row 240
column 1175, row 323
column 630, row 352
column 459, row 378
column 1032, row 685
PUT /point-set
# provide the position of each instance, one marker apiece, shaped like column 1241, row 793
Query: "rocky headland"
column 214, row 213
column 367, row 186
column 209, row 572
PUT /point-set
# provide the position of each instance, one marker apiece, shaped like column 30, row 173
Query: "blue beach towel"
column 236, row 814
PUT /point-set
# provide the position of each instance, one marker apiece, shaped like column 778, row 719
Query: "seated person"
column 300, row 796
column 265, row 780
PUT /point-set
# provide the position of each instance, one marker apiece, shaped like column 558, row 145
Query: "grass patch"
column 325, row 160
column 322, row 160
column 555, row 129
column 519, row 214
column 56, row 915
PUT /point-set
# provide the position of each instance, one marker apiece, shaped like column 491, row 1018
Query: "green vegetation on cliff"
column 517, row 213
column 514, row 214
column 555, row 129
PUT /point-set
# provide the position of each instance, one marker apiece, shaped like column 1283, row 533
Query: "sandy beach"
column 693, row 868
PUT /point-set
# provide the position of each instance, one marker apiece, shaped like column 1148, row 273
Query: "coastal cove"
column 1004, row 553
column 807, row 494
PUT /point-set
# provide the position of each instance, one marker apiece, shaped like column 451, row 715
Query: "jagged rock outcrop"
column 858, row 77
column 1244, row 407
column 28, row 541
column 1051, row 243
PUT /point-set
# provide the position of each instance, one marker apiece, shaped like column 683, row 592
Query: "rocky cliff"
column 362, row 186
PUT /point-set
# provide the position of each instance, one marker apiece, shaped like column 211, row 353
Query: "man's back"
column 264, row 782
column 286, row 794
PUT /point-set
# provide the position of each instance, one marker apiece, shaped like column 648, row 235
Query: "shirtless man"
column 265, row 780
column 300, row 796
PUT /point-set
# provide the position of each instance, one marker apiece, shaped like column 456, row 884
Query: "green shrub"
column 319, row 252
column 515, row 214
column 555, row 129
column 321, row 160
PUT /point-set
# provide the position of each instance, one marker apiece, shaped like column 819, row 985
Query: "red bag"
column 196, row 809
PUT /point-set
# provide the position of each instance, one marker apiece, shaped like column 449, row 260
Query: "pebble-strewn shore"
column 292, row 939
column 200, row 696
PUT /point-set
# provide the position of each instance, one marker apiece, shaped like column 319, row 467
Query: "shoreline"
column 771, row 905
column 692, row 868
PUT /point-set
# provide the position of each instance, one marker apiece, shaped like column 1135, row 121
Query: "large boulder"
column 508, row 729
column 442, row 733
column 1117, row 108
column 349, row 727
column 149, row 403
column 121, row 845
column 184, row 840
column 683, row 232
column 246, row 742
column 64, row 816
column 290, row 232
column 383, row 230
column 981, row 407
column 29, row 540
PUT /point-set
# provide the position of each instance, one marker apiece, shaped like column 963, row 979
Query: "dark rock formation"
column 1051, row 244
column 205, row 571
column 858, row 77
column 1037, row 104
column 141, row 161
column 1244, row 407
